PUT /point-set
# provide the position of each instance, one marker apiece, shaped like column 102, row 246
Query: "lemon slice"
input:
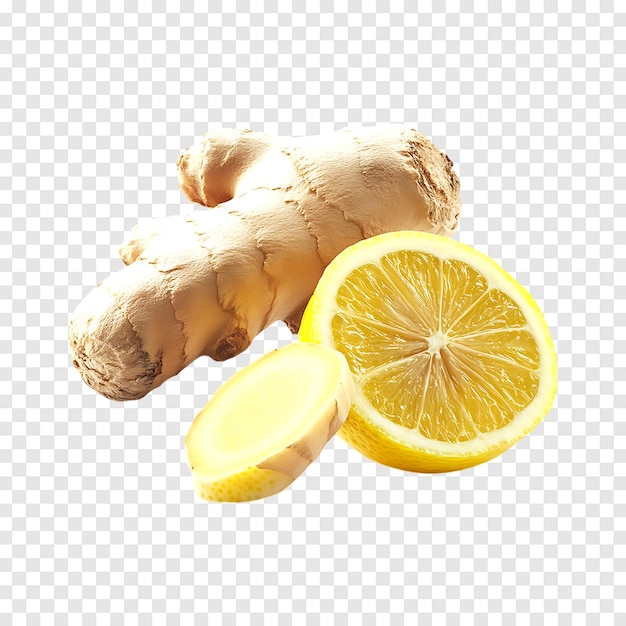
column 452, row 358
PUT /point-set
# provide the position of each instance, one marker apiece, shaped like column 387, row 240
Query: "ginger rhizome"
column 281, row 209
column 268, row 423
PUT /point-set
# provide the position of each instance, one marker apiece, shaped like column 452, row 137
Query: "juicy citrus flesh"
column 452, row 358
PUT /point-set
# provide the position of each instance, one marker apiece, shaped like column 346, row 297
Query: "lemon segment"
column 452, row 358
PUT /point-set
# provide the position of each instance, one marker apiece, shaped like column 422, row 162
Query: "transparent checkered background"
column 99, row 523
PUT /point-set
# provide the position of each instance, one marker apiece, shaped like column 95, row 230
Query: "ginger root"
column 268, row 423
column 207, row 283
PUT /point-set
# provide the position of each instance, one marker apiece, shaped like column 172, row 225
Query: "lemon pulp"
column 447, row 355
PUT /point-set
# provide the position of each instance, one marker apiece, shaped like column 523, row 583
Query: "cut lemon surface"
column 452, row 358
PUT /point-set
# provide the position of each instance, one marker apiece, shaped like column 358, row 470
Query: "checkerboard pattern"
column 99, row 523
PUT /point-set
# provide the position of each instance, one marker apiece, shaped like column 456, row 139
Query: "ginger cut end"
column 266, row 424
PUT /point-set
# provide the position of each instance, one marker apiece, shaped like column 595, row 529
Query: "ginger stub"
column 281, row 210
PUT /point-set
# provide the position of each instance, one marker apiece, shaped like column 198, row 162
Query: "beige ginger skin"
column 281, row 209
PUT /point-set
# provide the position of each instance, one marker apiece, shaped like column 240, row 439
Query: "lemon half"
column 452, row 358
